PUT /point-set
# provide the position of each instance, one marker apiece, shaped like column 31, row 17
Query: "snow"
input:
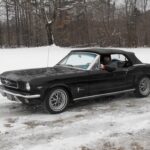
column 115, row 123
column 24, row 58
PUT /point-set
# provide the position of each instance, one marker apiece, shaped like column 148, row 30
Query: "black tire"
column 143, row 87
column 56, row 104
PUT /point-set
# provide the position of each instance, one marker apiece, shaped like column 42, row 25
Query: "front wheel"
column 56, row 100
column 143, row 87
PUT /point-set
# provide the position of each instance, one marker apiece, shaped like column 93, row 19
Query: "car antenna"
column 52, row 44
column 48, row 56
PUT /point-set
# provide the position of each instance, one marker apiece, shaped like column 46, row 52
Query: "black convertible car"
column 82, row 74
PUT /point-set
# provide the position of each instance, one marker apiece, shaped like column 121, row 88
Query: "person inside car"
column 107, row 64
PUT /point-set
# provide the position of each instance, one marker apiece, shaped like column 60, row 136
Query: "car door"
column 122, row 78
column 122, row 75
column 101, row 81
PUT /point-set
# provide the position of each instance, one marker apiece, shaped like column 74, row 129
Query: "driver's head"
column 107, row 60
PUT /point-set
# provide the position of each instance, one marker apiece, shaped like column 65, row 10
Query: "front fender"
column 47, row 89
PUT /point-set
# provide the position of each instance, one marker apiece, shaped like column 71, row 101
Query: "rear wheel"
column 143, row 87
column 56, row 100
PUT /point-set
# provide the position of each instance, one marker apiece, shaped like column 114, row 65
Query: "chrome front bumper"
column 4, row 92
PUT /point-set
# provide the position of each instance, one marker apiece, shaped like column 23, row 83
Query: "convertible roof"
column 102, row 51
column 130, row 55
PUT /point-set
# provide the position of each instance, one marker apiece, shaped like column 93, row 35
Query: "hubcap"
column 58, row 100
column 144, row 86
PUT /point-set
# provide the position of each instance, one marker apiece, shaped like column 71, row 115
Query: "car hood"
column 40, row 73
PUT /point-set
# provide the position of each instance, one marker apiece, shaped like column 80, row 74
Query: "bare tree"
column 6, row 5
column 49, row 19
column 17, row 21
column 145, row 22
column 74, row 22
column 1, row 40
column 131, row 21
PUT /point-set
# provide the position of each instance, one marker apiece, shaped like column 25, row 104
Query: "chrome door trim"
column 105, row 94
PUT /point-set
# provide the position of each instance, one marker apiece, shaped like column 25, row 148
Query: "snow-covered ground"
column 114, row 123
column 11, row 59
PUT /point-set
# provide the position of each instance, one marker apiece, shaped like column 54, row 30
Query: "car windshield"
column 81, row 60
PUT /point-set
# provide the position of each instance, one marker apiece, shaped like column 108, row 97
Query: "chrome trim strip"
column 20, row 95
column 106, row 94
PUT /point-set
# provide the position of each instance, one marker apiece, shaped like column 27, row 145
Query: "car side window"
column 121, row 60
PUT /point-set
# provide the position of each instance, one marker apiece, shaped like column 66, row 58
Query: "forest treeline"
column 75, row 23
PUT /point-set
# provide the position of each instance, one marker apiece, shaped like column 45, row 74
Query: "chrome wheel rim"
column 144, row 86
column 58, row 100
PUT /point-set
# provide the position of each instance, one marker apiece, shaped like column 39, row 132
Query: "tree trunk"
column 49, row 33
column 8, row 25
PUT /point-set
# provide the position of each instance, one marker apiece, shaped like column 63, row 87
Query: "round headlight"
column 28, row 86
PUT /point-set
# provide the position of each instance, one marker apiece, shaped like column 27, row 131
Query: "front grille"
column 9, row 83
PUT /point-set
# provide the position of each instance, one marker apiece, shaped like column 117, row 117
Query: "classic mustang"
column 82, row 74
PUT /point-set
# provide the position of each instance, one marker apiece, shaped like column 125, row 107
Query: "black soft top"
column 130, row 55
